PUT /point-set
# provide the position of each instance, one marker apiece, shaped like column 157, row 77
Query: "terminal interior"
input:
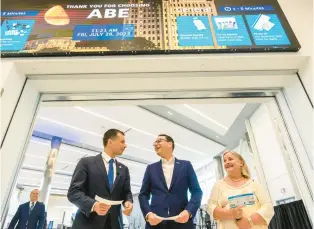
column 202, row 131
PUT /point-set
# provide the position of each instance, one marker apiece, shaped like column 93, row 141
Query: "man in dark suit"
column 167, row 183
column 30, row 215
column 104, row 176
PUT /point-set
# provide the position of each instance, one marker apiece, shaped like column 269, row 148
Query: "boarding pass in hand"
column 241, row 200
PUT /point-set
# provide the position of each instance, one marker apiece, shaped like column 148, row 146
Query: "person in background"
column 29, row 215
column 167, row 183
column 237, row 182
column 104, row 176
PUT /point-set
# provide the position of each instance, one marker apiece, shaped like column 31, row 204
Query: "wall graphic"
column 101, row 27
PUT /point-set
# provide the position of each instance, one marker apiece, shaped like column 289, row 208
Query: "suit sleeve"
column 77, row 190
column 41, row 221
column 127, row 188
column 145, row 193
column 195, row 190
column 15, row 218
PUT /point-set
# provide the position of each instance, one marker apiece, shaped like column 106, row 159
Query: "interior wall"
column 304, row 34
column 59, row 206
column 302, row 112
column 246, row 152
column 271, row 156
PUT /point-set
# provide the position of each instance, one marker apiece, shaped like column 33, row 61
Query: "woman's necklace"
column 236, row 180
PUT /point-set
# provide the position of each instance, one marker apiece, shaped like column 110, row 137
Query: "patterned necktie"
column 110, row 174
column 31, row 208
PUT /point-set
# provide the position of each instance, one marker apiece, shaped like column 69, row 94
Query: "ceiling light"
column 25, row 178
column 169, row 113
column 29, row 155
column 205, row 116
column 69, row 126
column 136, row 129
column 88, row 132
column 114, row 121
column 217, row 136
column 41, row 143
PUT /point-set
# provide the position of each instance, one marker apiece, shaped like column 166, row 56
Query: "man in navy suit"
column 104, row 176
column 30, row 215
column 167, row 183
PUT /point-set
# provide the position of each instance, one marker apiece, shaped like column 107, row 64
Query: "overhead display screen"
column 105, row 27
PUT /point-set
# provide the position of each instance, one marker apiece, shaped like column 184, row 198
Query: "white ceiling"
column 217, row 117
column 84, row 126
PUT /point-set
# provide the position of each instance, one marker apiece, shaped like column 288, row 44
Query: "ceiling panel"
column 143, row 123
column 84, row 126
column 89, row 124
column 216, row 117
column 36, row 156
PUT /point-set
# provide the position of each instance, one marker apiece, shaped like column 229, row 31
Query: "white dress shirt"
column 106, row 158
column 167, row 168
column 30, row 204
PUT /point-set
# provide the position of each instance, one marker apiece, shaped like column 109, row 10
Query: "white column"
column 50, row 170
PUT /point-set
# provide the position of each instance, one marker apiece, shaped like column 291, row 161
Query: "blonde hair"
column 245, row 172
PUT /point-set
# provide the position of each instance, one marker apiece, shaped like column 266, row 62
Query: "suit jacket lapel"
column 161, row 174
column 176, row 171
column 101, row 166
column 118, row 174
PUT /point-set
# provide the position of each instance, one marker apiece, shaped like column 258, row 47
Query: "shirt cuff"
column 92, row 210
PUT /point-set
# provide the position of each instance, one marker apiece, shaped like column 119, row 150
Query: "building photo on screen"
column 61, row 27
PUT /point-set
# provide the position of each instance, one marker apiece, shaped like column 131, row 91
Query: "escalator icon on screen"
column 198, row 24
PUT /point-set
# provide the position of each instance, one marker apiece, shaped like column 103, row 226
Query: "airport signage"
column 104, row 27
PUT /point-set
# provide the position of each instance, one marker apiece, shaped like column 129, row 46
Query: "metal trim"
column 159, row 95
column 174, row 74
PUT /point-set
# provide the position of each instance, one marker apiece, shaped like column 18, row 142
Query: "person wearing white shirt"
column 103, row 176
column 166, row 183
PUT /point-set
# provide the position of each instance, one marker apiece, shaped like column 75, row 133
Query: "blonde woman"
column 237, row 182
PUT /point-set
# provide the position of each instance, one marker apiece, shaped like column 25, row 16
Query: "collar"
column 169, row 162
column 30, row 203
column 106, row 157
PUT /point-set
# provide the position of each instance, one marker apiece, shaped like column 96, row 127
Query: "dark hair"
column 111, row 134
column 168, row 138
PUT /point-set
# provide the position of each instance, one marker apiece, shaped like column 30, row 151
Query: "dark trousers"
column 108, row 223
column 168, row 225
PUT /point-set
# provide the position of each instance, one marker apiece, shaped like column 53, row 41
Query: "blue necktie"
column 110, row 174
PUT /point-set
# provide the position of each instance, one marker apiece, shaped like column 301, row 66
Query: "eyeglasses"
column 159, row 141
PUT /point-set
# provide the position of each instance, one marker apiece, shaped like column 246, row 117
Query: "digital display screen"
column 105, row 27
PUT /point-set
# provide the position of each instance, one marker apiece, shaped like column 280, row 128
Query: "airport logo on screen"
column 132, row 27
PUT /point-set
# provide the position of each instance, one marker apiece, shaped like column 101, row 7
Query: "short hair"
column 168, row 138
column 110, row 134
column 35, row 190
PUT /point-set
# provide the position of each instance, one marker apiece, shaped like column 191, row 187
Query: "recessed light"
column 217, row 136
column 169, row 113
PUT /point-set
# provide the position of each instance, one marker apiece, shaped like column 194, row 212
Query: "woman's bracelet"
column 250, row 222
